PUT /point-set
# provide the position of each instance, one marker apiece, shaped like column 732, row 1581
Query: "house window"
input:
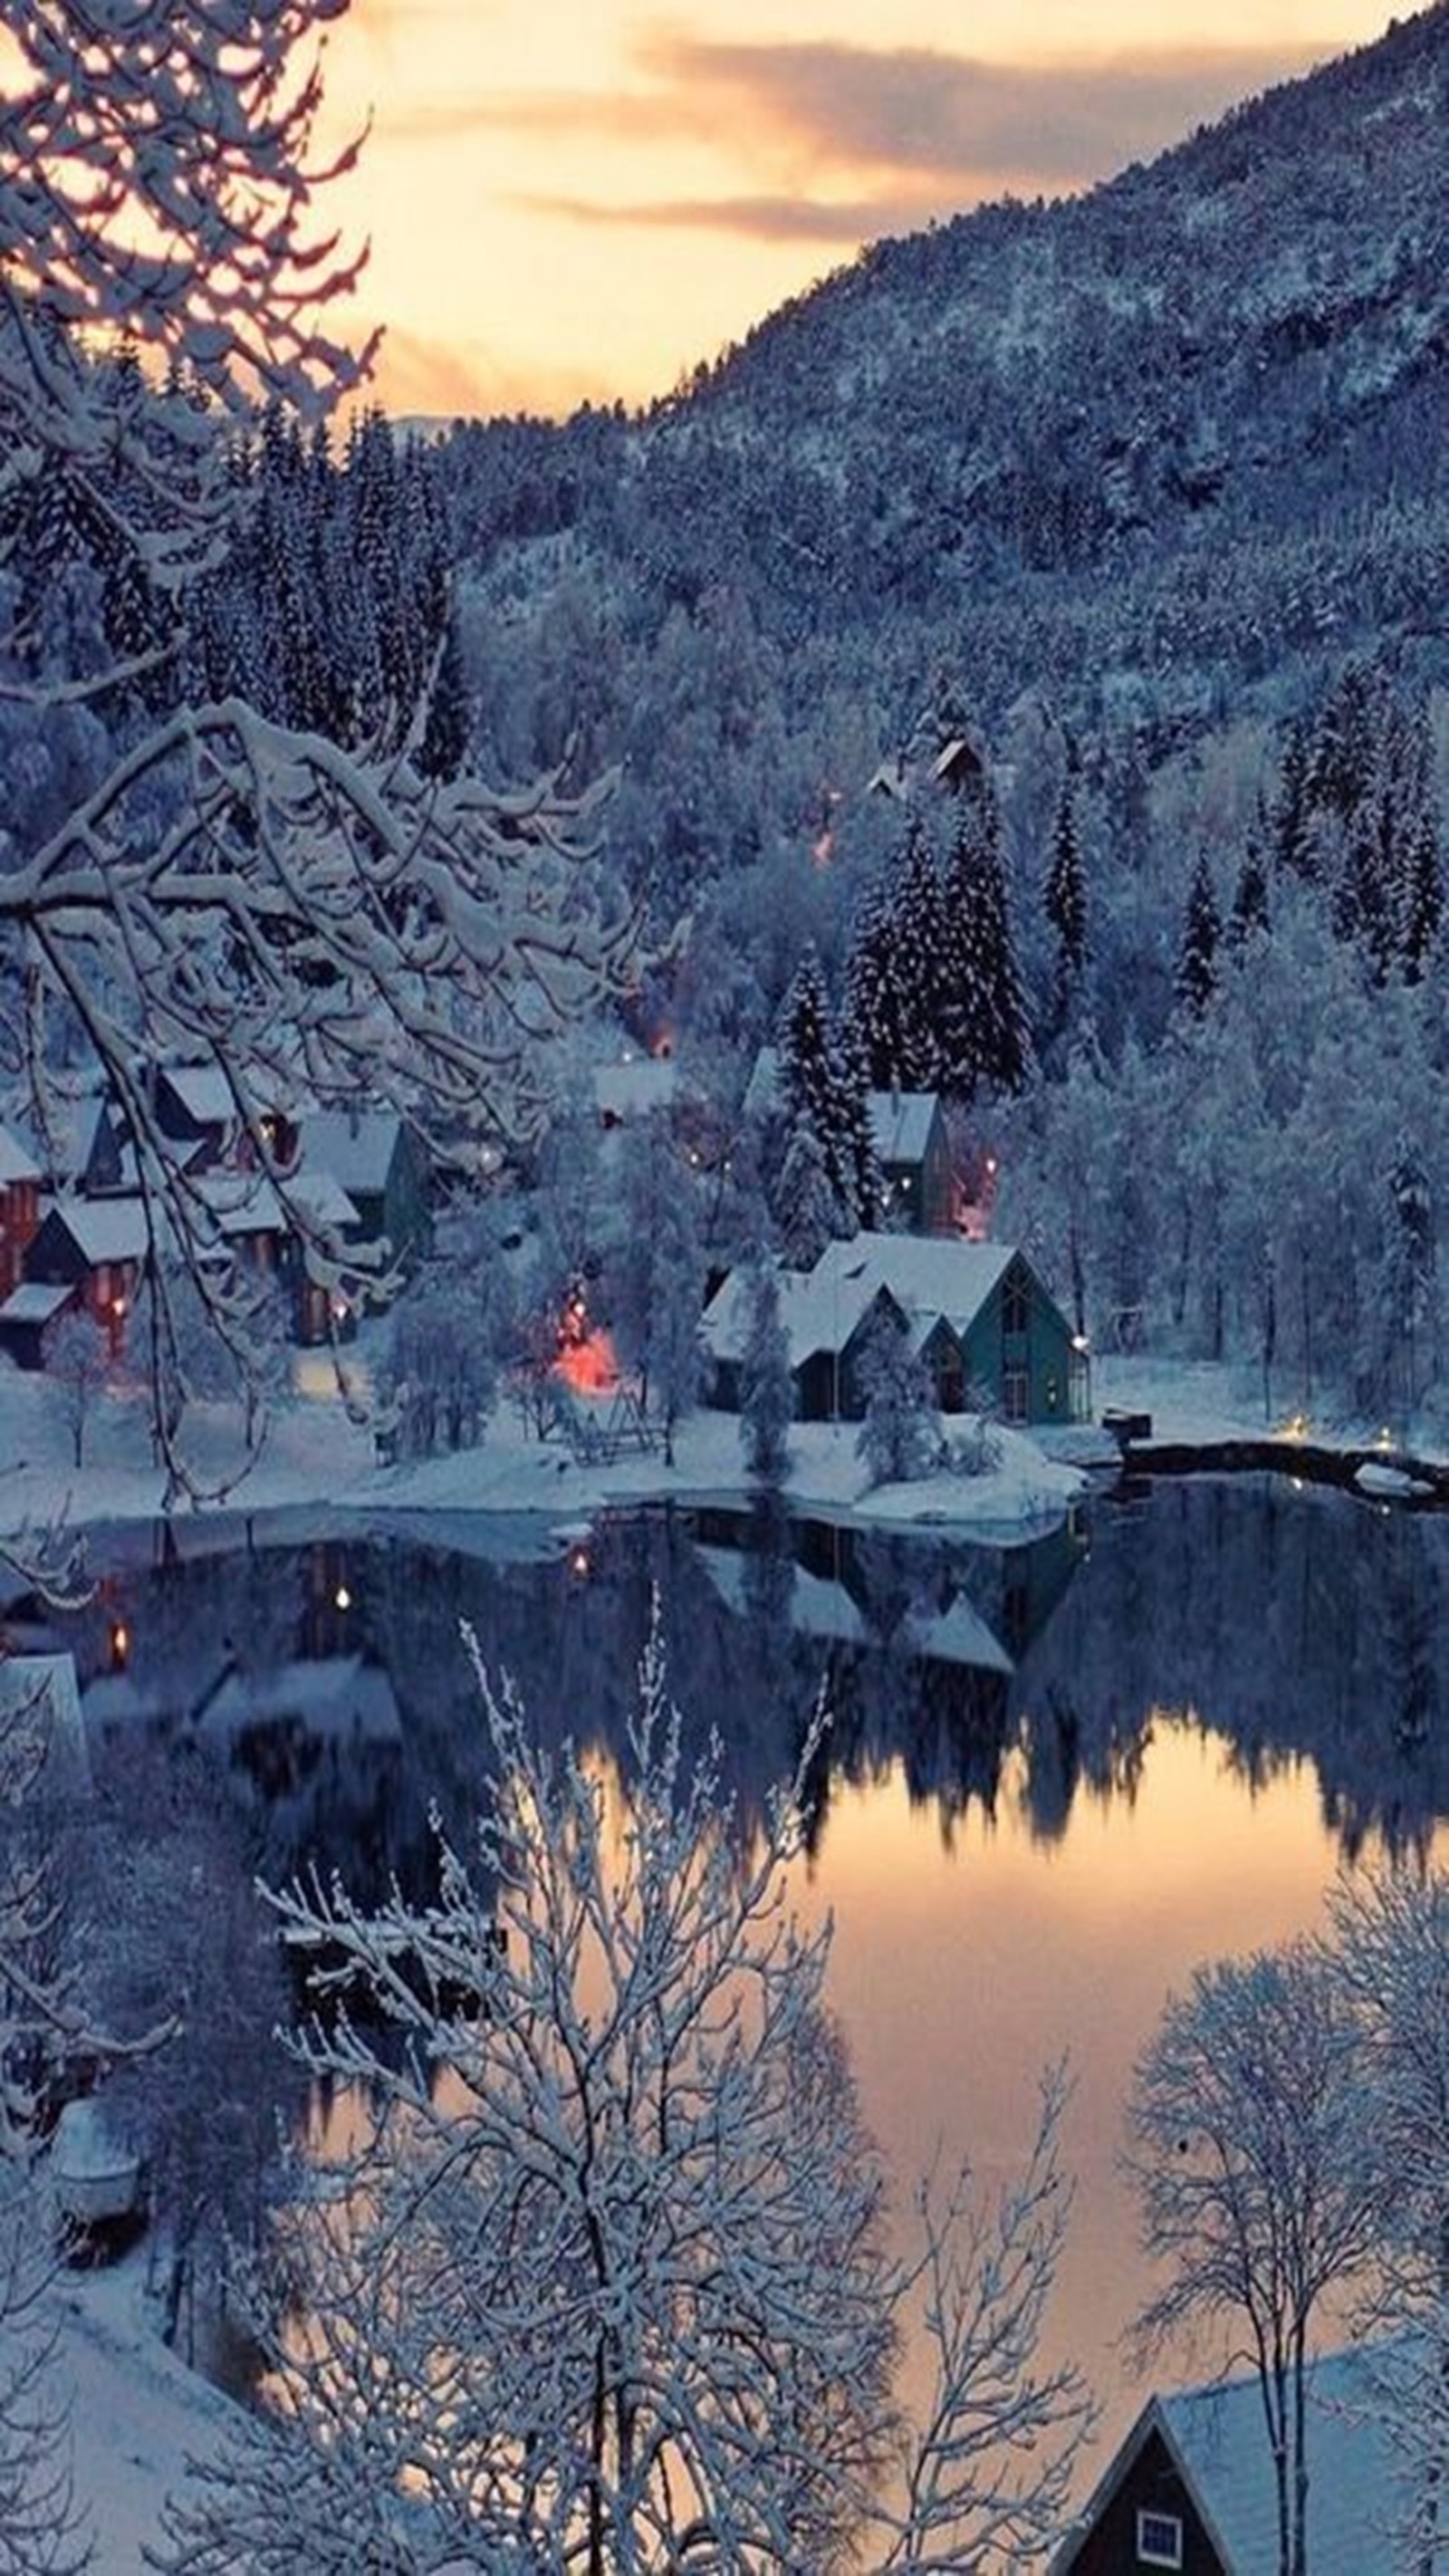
column 1015, row 1394
column 1159, row 2539
column 1015, row 1306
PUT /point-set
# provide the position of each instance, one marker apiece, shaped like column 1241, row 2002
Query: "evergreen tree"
column 444, row 746
column 1065, row 898
column 1295, row 850
column 1197, row 966
column 917, row 931
column 1250, row 913
column 824, row 1088
column 879, row 1009
column 807, row 1207
column 984, row 1028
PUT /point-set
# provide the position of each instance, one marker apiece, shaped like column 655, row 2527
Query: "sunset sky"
column 571, row 198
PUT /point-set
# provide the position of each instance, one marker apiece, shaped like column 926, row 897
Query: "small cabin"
column 99, row 1249
column 1192, row 2486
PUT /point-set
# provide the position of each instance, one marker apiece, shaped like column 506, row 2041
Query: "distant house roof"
column 15, row 1163
column 110, row 1229
column 819, row 1310
column 323, row 1199
column 926, row 1275
column 32, row 1303
column 631, row 1088
column 1219, row 2446
column 900, row 1121
column 762, row 1091
column 242, row 1203
column 354, row 1147
column 900, row 1124
column 204, row 1093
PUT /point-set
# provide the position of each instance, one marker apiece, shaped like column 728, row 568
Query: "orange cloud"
column 419, row 378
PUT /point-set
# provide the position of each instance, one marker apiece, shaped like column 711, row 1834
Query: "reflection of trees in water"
column 1297, row 1625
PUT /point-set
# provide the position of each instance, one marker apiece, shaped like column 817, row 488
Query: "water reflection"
column 328, row 1681
column 1057, row 1774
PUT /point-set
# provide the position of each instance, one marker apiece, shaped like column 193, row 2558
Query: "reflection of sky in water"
column 961, row 1971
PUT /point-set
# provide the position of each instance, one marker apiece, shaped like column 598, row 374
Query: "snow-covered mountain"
column 1177, row 441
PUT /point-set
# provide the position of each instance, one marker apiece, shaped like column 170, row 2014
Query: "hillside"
column 1169, row 448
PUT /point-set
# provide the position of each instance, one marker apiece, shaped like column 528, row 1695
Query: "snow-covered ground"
column 316, row 1454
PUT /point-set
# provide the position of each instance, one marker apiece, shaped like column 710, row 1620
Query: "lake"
column 1058, row 1775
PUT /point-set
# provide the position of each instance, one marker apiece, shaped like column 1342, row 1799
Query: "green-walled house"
column 987, row 1329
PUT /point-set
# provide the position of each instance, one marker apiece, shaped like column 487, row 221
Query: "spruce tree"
column 877, row 1013
column 1197, row 966
column 1295, row 848
column 985, row 1032
column 918, row 933
column 1065, row 900
column 824, row 1089
column 807, row 1208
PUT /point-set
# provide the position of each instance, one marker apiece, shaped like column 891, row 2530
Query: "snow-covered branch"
column 607, row 2283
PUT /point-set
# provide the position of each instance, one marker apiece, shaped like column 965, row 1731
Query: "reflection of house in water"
column 922, row 1637
column 290, row 1728
column 969, row 1604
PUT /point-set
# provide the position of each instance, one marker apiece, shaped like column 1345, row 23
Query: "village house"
column 986, row 1329
column 373, row 1156
column 913, row 1157
column 1192, row 2489
column 19, row 1208
column 94, row 1249
column 910, row 1140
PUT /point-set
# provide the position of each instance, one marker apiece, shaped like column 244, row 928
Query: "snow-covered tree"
column 767, row 1387
column 609, row 2284
column 40, row 2531
column 897, row 1437
column 656, row 1271
column 1246, row 2119
column 809, row 1212
column 79, row 1368
column 1196, row 978
column 1064, row 900
column 308, row 920
column 439, row 1376
column 984, row 1031
column 1389, row 1946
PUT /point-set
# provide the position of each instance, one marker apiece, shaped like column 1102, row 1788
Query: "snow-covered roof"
column 818, row 1313
column 242, row 1203
column 900, row 1124
column 31, row 1303
column 762, row 1091
column 108, row 1229
column 204, row 1093
column 929, row 1277
column 354, row 1147
column 1218, row 2439
column 323, row 1199
column 634, row 1087
column 15, row 1163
